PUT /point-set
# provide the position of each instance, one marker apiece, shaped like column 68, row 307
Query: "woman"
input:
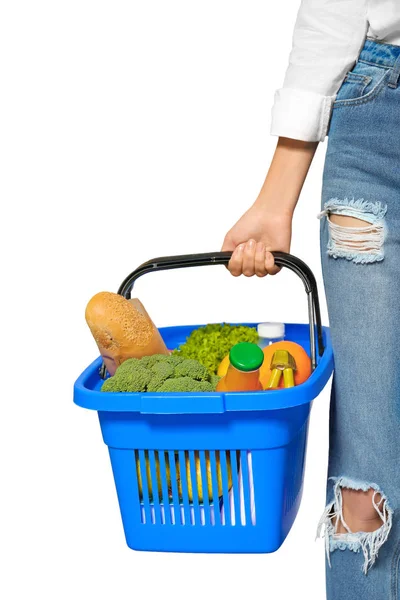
column 344, row 79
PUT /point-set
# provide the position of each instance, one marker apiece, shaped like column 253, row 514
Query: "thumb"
column 228, row 244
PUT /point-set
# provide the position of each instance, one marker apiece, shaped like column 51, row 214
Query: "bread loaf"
column 122, row 329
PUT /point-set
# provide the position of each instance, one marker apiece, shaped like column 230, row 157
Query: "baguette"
column 122, row 329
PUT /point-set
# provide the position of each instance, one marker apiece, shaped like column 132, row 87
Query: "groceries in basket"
column 282, row 365
column 209, row 344
column 122, row 329
column 297, row 361
column 243, row 373
column 161, row 373
column 269, row 333
column 214, row 357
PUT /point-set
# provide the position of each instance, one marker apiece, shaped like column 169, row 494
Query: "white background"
column 131, row 130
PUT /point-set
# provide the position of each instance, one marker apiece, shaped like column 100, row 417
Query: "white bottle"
column 270, row 333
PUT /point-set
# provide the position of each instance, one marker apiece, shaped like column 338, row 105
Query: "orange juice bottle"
column 244, row 369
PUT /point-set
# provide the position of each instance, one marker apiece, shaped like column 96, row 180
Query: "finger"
column 249, row 257
column 260, row 260
column 270, row 266
column 228, row 246
column 235, row 265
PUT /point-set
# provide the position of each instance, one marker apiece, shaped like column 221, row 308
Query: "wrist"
column 277, row 205
column 285, row 178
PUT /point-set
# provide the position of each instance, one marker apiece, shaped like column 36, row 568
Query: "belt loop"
column 395, row 74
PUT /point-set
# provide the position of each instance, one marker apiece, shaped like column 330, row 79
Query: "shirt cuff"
column 301, row 115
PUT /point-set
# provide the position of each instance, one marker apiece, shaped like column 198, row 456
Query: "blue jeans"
column 361, row 270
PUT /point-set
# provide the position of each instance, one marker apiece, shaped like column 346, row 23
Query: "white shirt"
column 327, row 39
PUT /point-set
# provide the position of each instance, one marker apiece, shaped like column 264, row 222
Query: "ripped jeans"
column 361, row 270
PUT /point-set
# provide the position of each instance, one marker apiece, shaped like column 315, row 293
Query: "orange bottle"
column 244, row 369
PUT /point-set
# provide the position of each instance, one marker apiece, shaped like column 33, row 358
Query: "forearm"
column 286, row 175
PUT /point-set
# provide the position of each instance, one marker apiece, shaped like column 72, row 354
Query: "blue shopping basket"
column 210, row 472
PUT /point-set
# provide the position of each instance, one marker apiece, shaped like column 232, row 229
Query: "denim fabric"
column 361, row 270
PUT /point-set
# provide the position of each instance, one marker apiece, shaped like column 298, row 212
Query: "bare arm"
column 267, row 225
column 327, row 39
column 287, row 173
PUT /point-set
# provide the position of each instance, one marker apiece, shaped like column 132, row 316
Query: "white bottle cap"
column 271, row 330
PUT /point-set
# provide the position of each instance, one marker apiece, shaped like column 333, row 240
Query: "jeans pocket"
column 361, row 84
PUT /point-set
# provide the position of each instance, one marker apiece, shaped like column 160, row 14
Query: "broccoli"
column 125, row 380
column 214, row 380
column 204, row 386
column 155, row 383
column 174, row 359
column 161, row 373
column 150, row 361
column 185, row 384
column 211, row 343
column 163, row 369
column 192, row 368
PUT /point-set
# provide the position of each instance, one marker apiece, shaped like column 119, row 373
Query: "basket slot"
column 196, row 484
column 251, row 486
column 155, row 487
column 142, row 476
column 241, row 494
column 176, row 515
column 245, row 499
column 139, row 494
column 225, row 466
column 214, row 480
column 184, row 487
column 162, row 457
column 206, row 489
column 234, row 495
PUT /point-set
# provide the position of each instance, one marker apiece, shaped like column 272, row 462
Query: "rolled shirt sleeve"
column 327, row 39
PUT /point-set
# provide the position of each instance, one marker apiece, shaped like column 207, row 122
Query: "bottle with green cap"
column 245, row 360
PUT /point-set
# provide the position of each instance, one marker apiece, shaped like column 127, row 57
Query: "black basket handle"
column 282, row 259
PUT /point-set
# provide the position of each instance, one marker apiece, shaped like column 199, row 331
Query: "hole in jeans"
column 356, row 229
column 367, row 539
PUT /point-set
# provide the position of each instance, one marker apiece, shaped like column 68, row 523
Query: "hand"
column 254, row 236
